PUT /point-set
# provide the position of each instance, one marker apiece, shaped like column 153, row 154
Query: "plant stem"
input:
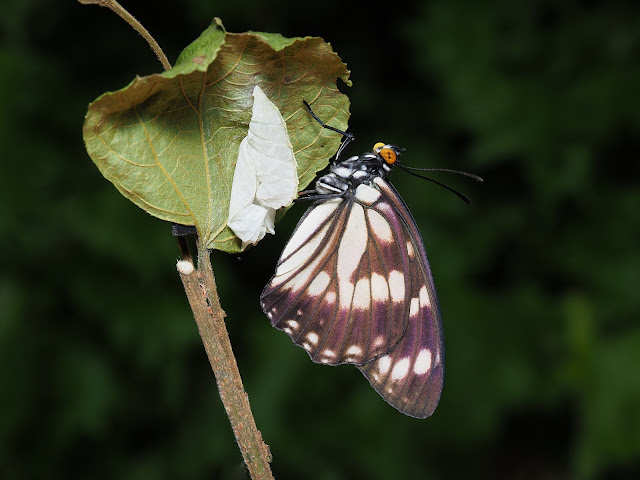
column 200, row 286
column 202, row 293
column 135, row 24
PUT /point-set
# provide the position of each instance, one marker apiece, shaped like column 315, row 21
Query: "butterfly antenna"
column 477, row 178
column 466, row 199
column 347, row 136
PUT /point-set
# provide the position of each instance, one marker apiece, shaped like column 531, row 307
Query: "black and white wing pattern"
column 410, row 377
column 341, row 280
column 353, row 285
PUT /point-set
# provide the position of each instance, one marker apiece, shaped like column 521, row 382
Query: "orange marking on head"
column 389, row 155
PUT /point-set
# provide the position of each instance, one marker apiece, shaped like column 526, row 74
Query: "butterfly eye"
column 388, row 155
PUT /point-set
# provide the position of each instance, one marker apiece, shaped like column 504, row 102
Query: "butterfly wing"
column 353, row 285
column 411, row 375
column 339, row 288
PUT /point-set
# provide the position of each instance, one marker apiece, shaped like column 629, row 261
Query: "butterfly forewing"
column 341, row 286
column 410, row 376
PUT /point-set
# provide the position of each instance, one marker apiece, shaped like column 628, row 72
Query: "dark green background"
column 102, row 373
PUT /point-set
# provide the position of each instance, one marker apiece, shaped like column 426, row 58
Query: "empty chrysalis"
column 266, row 175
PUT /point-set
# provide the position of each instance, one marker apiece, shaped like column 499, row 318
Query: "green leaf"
column 169, row 141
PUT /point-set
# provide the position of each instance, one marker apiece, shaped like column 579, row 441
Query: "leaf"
column 169, row 141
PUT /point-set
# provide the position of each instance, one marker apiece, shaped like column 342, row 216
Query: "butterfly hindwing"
column 410, row 377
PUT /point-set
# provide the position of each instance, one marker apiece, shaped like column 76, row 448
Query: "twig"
column 137, row 26
column 201, row 290
column 200, row 286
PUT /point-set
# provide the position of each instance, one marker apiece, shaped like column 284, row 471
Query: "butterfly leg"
column 347, row 136
column 314, row 195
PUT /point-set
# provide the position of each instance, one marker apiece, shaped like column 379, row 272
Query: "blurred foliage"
column 102, row 371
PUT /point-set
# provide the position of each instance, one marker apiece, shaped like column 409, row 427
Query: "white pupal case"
column 266, row 175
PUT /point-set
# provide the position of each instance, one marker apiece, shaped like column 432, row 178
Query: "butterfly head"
column 388, row 153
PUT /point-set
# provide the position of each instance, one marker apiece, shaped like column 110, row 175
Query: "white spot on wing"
column 396, row 285
column 410, row 250
column 354, row 350
column 379, row 288
column 293, row 324
column 381, row 228
column 423, row 362
column 366, row 194
column 384, row 364
column 319, row 284
column 313, row 338
column 400, row 369
column 424, row 297
column 379, row 181
column 414, row 308
column 353, row 243
column 362, row 294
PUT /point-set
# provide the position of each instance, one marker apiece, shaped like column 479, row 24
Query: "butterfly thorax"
column 345, row 176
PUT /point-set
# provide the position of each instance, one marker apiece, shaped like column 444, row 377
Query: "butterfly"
column 353, row 284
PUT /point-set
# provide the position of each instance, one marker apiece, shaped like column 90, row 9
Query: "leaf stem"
column 200, row 286
column 135, row 24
